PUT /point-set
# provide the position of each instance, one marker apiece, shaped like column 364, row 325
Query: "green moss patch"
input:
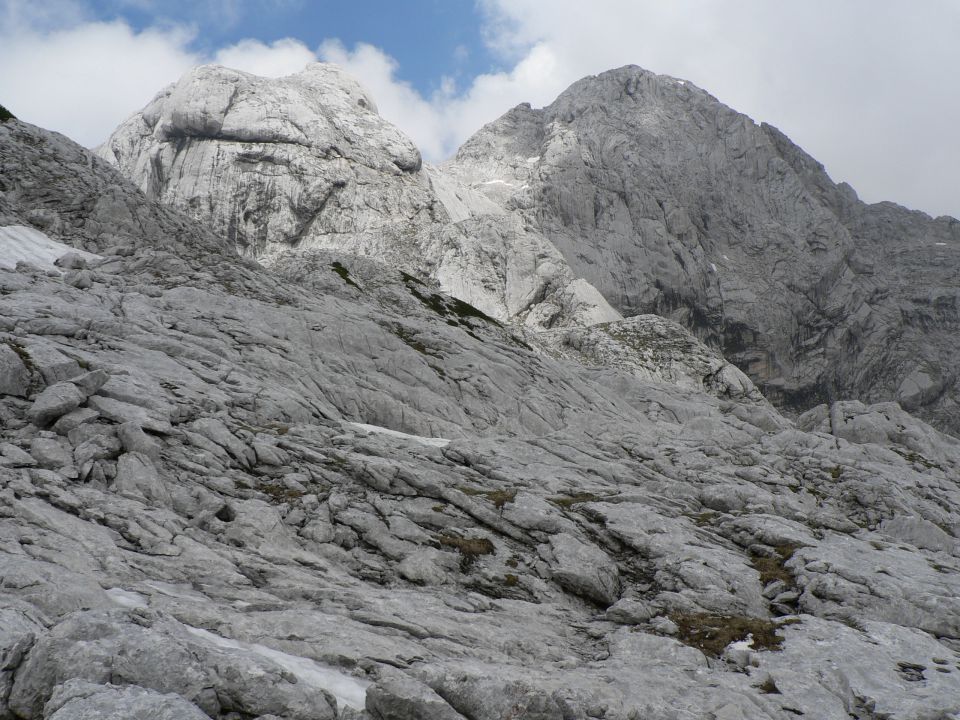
column 917, row 459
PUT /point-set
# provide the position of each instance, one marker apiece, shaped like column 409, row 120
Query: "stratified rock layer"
column 327, row 490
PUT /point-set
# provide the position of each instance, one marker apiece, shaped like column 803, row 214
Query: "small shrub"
column 6, row 115
column 279, row 493
column 344, row 274
column 469, row 548
column 772, row 568
column 712, row 633
column 499, row 498
column 510, row 580
column 769, row 687
column 410, row 340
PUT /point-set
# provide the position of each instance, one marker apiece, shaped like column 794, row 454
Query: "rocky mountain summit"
column 669, row 202
column 633, row 193
column 321, row 487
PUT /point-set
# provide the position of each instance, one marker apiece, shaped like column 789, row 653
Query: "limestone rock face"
column 669, row 202
column 305, row 162
column 631, row 194
column 272, row 162
column 327, row 490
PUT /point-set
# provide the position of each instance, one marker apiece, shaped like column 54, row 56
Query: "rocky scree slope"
column 305, row 162
column 327, row 491
column 669, row 202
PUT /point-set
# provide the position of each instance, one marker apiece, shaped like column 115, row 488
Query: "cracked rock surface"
column 326, row 489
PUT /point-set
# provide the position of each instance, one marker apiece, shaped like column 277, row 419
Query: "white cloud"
column 440, row 123
column 83, row 80
column 283, row 57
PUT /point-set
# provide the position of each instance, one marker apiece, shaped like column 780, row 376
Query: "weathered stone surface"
column 14, row 376
column 55, row 401
column 89, row 383
column 135, row 440
column 74, row 419
column 80, row 700
column 398, row 697
column 51, row 453
column 52, row 364
column 369, row 500
column 584, row 570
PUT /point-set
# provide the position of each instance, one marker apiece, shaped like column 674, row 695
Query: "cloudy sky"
column 868, row 87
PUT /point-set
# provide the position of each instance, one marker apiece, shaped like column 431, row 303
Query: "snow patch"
column 497, row 182
column 19, row 242
column 713, row 267
column 347, row 689
column 433, row 441
column 939, row 243
column 533, row 159
column 126, row 598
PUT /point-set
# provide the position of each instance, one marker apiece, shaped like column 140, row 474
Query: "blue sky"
column 868, row 87
column 429, row 39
